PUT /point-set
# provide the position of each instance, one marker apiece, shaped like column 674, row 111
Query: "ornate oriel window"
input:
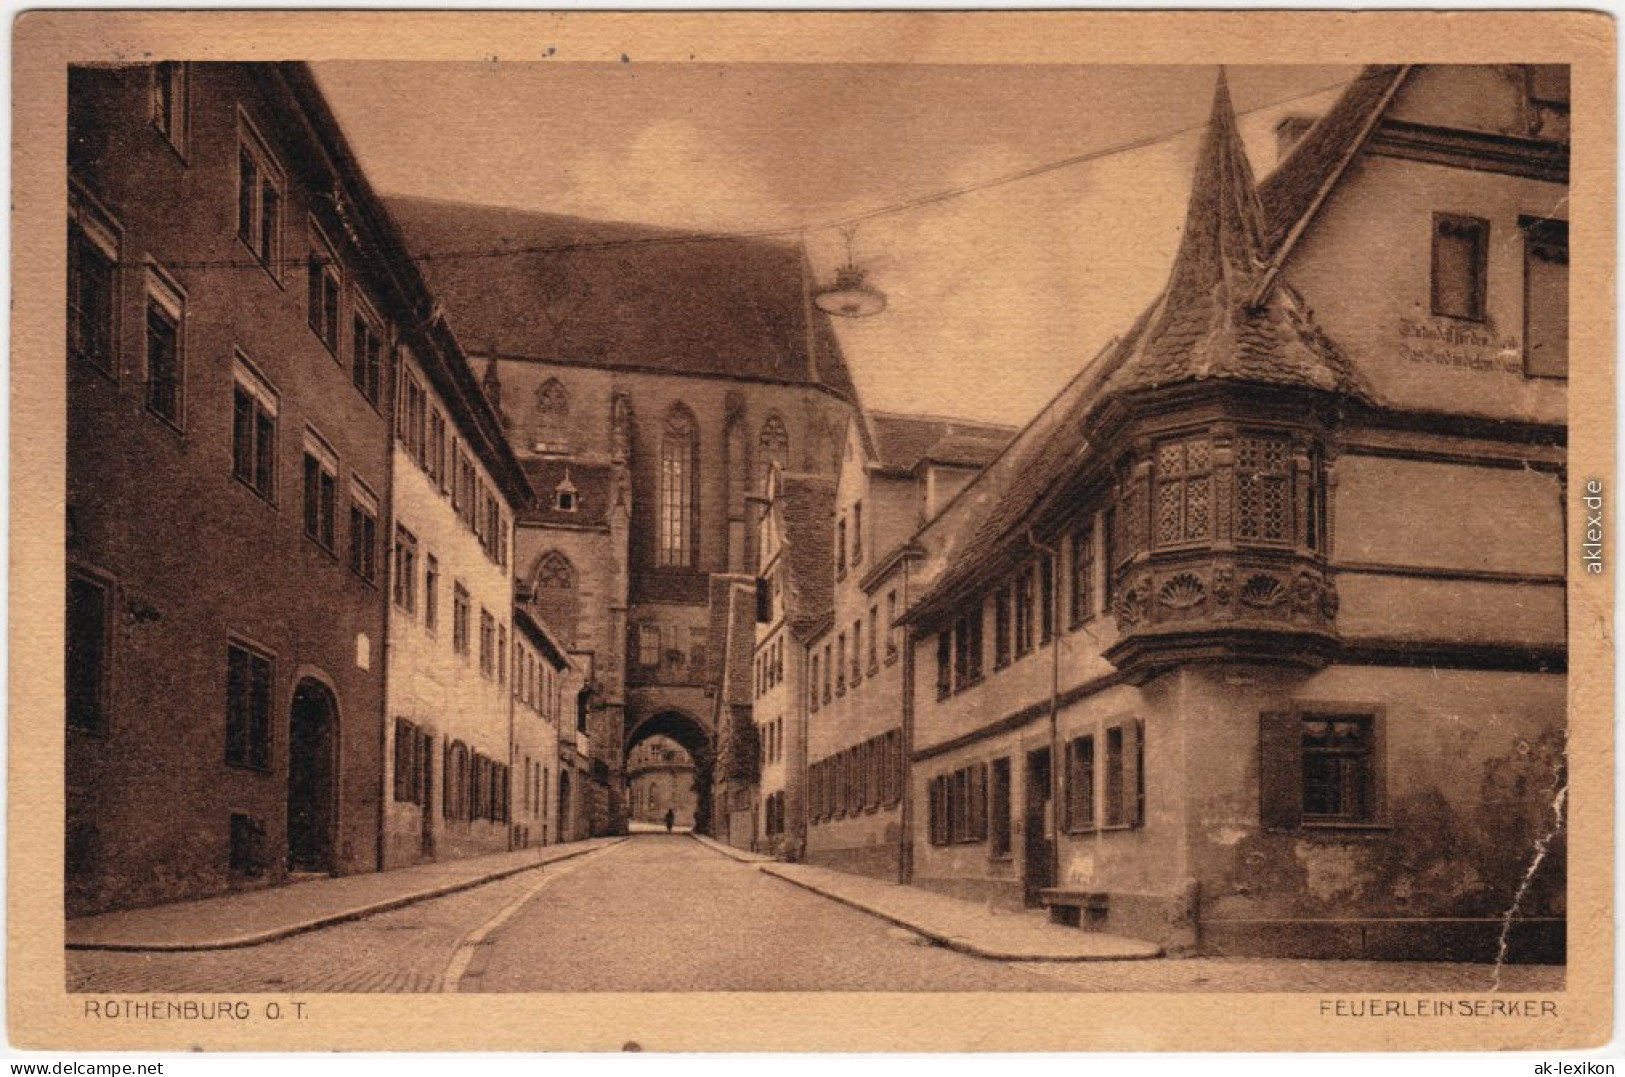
column 677, row 485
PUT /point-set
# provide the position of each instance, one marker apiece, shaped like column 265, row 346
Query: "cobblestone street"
column 664, row 913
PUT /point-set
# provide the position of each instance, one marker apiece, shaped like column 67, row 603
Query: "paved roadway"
column 664, row 913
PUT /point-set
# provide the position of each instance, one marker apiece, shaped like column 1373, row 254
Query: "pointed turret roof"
column 1205, row 324
column 1222, row 317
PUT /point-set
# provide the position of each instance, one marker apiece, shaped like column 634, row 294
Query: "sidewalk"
column 965, row 926
column 235, row 920
column 742, row 855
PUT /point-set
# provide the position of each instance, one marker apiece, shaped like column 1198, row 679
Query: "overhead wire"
column 780, row 231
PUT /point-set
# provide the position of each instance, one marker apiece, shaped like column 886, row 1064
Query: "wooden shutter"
column 1133, row 778
column 1280, row 770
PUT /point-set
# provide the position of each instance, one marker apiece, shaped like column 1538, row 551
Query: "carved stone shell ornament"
column 1262, row 592
column 1181, row 592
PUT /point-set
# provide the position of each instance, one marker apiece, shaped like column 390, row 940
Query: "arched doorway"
column 312, row 794
column 693, row 738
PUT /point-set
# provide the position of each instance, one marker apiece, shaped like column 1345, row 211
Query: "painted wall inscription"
column 1459, row 347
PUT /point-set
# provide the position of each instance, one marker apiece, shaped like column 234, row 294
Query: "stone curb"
column 729, row 851
column 957, row 943
column 238, row 942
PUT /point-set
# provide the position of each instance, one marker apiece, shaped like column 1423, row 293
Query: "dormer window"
column 565, row 497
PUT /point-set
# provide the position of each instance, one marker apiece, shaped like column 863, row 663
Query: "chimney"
column 1288, row 132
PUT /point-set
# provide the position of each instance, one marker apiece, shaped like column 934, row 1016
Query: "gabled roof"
column 442, row 358
column 903, row 441
column 806, row 505
column 1291, row 192
column 626, row 296
column 1209, row 324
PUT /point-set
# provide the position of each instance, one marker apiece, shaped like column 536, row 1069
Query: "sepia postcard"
column 974, row 531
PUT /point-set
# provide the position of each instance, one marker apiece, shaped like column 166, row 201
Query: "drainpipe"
column 1054, row 706
column 905, row 852
column 386, row 513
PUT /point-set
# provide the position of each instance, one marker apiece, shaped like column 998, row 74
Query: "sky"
column 995, row 298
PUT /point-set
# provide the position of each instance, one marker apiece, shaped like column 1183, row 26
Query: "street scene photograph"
column 653, row 526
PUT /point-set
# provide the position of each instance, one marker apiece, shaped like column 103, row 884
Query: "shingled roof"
column 806, row 506
column 524, row 285
column 1209, row 323
column 592, row 485
column 903, row 441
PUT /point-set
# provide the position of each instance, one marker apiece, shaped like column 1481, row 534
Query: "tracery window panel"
column 1263, row 488
column 677, row 489
column 1183, row 498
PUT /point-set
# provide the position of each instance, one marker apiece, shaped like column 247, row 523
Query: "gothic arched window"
column 553, row 583
column 678, row 481
column 772, row 447
column 550, row 421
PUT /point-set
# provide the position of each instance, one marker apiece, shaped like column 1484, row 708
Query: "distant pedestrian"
column 671, row 819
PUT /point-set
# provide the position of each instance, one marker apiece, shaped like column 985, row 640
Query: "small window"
column 857, row 533
column 248, row 707
column 1024, row 612
column 874, row 637
column 321, row 480
column 945, row 664
column 840, row 664
column 565, row 495
column 367, row 360
column 459, row 619
column 1080, row 784
column 891, row 627
column 253, row 434
column 1001, row 628
column 1083, row 575
column 488, row 641
column 1123, row 789
column 999, row 808
column 431, row 592
column 1046, row 598
column 1461, row 248
column 1338, row 771
column 829, row 676
column 812, row 694
column 324, row 286
column 840, row 549
column 171, row 102
column 412, row 418
column 857, row 651
column 89, row 652
column 363, row 530
column 165, row 374
column 1546, row 298
column 502, row 654
column 649, row 645
column 1320, row 768
column 92, row 258
column 406, row 570
column 259, row 201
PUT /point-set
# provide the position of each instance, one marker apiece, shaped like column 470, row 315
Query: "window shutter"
column 764, row 602
column 1280, row 770
column 1134, row 773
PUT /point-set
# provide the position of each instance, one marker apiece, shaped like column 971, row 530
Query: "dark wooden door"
column 1038, row 844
